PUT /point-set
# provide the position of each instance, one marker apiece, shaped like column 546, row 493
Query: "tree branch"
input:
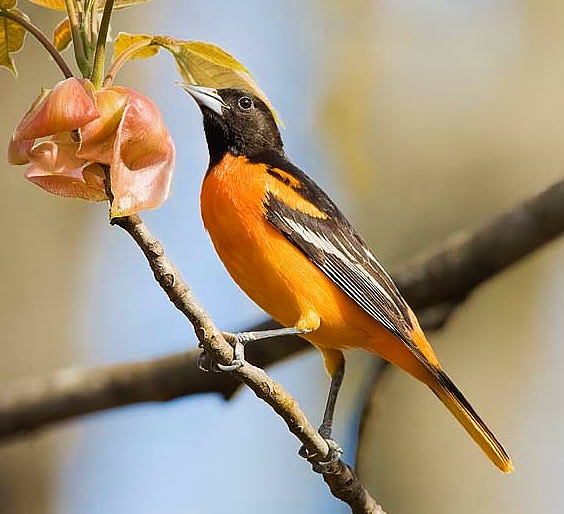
column 30, row 404
column 340, row 478
column 434, row 282
column 447, row 273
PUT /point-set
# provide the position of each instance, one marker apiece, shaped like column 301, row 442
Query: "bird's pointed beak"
column 206, row 97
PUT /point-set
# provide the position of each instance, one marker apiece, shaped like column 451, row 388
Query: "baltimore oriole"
column 293, row 252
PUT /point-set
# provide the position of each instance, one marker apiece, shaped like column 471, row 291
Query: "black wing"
column 334, row 246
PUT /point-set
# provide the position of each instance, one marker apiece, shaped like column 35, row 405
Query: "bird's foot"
column 206, row 363
column 238, row 341
column 329, row 460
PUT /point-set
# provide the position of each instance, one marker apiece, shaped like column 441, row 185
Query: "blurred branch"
column 447, row 273
column 434, row 283
column 31, row 404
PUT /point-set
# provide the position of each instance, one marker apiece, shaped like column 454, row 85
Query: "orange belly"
column 277, row 276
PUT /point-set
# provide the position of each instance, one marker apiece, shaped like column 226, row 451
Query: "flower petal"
column 18, row 151
column 68, row 106
column 94, row 176
column 143, row 158
column 57, row 157
column 98, row 136
column 117, row 126
column 63, row 185
column 56, row 168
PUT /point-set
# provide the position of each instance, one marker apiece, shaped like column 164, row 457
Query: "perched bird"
column 293, row 252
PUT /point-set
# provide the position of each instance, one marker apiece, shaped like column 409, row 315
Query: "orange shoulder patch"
column 286, row 188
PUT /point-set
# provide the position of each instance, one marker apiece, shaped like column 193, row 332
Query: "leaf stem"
column 89, row 12
column 122, row 58
column 99, row 57
column 42, row 38
column 77, row 42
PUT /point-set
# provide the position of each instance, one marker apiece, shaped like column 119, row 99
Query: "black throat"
column 217, row 137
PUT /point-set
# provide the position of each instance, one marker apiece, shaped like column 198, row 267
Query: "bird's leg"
column 239, row 340
column 335, row 363
column 326, row 426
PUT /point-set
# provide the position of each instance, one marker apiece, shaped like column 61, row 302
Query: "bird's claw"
column 206, row 363
column 235, row 364
column 332, row 457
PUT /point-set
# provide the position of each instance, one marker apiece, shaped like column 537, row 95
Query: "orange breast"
column 275, row 274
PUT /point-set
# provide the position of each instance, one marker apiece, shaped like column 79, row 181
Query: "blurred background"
column 419, row 118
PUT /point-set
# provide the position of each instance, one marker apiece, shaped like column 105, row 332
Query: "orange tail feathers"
column 461, row 409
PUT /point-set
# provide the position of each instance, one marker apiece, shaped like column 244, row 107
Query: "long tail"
column 454, row 401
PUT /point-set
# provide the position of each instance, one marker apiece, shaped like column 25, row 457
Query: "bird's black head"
column 236, row 121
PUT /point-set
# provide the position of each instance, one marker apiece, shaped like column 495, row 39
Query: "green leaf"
column 62, row 36
column 208, row 65
column 12, row 36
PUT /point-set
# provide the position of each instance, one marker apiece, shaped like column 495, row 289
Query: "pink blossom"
column 70, row 131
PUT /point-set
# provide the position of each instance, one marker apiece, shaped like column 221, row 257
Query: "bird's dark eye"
column 244, row 103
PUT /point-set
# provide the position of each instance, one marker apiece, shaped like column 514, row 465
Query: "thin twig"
column 42, row 38
column 345, row 485
column 342, row 481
